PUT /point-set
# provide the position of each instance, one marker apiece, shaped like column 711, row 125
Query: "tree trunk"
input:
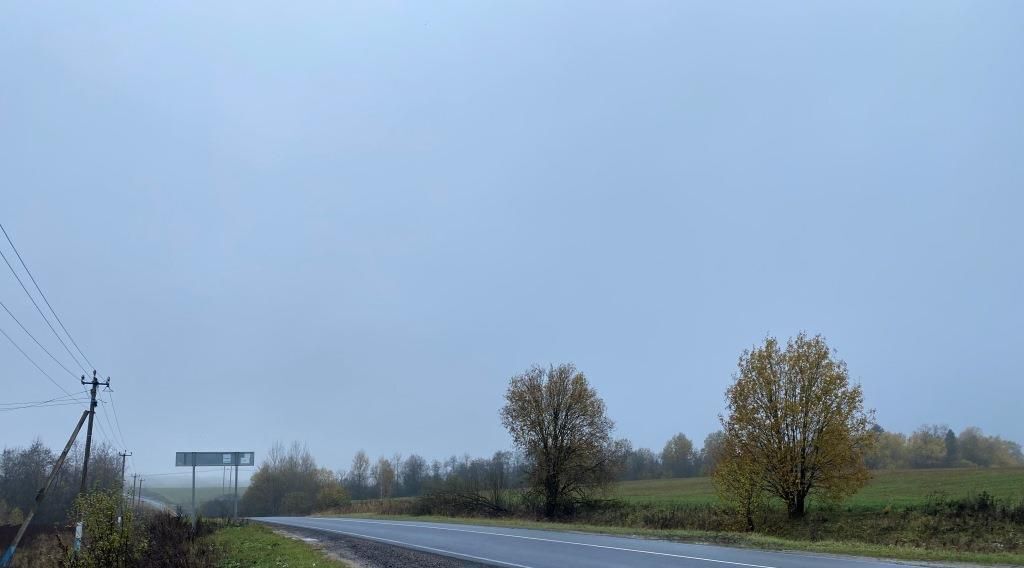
column 797, row 506
column 749, row 513
column 550, row 496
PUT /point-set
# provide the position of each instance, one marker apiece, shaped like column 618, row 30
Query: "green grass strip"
column 256, row 546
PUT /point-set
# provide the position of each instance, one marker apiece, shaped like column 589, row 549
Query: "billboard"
column 200, row 459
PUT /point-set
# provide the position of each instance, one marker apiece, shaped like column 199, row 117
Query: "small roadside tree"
column 796, row 421
column 107, row 542
column 557, row 419
column 738, row 482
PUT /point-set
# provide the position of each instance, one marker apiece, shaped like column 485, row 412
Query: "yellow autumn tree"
column 738, row 483
column 795, row 426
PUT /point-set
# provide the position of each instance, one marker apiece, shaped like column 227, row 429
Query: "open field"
column 894, row 488
column 175, row 496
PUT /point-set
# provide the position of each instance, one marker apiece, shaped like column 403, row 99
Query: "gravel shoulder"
column 362, row 553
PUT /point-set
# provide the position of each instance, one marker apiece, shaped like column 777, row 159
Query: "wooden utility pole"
column 140, row 494
column 123, row 456
column 88, row 433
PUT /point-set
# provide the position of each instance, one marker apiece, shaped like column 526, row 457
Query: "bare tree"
column 384, row 477
column 559, row 422
column 358, row 478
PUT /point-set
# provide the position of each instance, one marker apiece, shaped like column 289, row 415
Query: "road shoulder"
column 365, row 553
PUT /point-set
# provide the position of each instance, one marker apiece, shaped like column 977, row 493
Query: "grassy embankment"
column 256, row 546
column 968, row 515
column 234, row 546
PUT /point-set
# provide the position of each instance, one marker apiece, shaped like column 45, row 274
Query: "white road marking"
column 606, row 547
column 408, row 544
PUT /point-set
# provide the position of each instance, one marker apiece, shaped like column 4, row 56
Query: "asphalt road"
column 527, row 548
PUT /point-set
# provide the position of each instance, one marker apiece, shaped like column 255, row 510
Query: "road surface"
column 528, row 548
column 158, row 505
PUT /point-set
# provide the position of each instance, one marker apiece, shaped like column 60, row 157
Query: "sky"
column 349, row 224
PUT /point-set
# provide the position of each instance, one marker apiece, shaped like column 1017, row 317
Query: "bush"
column 173, row 543
column 221, row 507
column 105, row 541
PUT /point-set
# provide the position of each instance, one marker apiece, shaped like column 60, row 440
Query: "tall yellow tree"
column 796, row 426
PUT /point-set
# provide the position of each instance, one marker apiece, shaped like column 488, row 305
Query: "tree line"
column 795, row 427
column 929, row 446
column 289, row 482
column 933, row 445
column 23, row 470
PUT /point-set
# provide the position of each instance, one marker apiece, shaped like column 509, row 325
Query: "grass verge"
column 256, row 546
column 742, row 540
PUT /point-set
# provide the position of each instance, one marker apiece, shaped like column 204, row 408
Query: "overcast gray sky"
column 350, row 223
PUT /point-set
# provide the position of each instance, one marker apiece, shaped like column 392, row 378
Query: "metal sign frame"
column 213, row 459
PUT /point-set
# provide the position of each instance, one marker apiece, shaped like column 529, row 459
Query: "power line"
column 117, row 420
column 45, row 350
column 109, row 425
column 67, row 400
column 107, row 437
column 30, row 360
column 66, row 403
column 38, row 309
column 43, row 401
column 40, row 290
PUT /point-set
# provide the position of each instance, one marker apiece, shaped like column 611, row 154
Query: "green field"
column 897, row 488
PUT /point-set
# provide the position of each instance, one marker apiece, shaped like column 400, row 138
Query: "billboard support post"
column 235, row 516
column 200, row 459
column 194, row 516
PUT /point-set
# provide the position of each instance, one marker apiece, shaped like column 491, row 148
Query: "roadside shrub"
column 219, row 508
column 332, row 496
column 459, row 503
column 106, row 542
column 173, row 543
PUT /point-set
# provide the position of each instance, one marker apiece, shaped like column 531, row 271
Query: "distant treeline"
column 24, row 470
column 933, row 446
column 291, row 482
column 928, row 447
